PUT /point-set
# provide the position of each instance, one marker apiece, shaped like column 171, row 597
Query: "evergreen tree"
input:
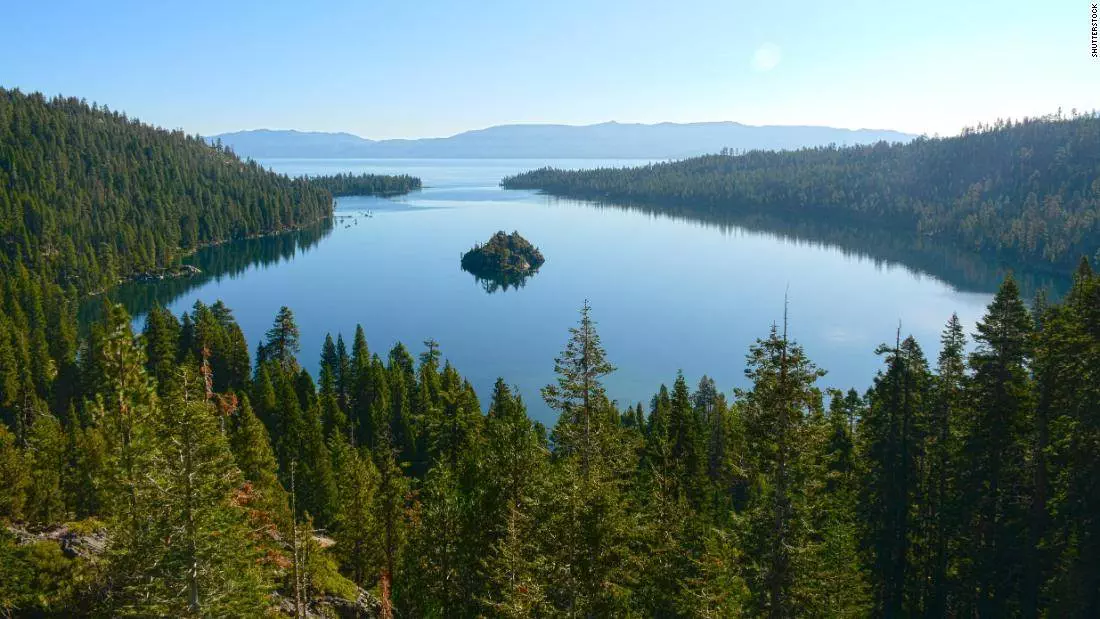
column 578, row 391
column 357, row 529
column 434, row 571
column 390, row 502
column 194, row 555
column 688, row 444
column 1067, row 362
column 281, row 342
column 123, row 409
column 252, row 453
column 892, row 432
column 14, row 477
column 513, row 466
column 775, row 412
column 591, row 521
column 161, row 335
column 45, row 456
column 941, row 478
column 998, row 484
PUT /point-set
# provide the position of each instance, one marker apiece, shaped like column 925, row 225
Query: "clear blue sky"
column 414, row 68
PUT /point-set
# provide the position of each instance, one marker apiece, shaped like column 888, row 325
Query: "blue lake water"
column 669, row 294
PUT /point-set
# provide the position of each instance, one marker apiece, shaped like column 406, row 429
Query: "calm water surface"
column 668, row 294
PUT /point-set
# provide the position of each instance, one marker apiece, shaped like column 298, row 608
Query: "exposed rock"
column 75, row 540
column 181, row 270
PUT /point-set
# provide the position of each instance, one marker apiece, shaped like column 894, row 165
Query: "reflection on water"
column 499, row 281
column 682, row 291
column 502, row 282
column 966, row 271
column 216, row 262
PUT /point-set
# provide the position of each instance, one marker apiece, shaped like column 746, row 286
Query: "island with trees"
column 505, row 260
column 366, row 184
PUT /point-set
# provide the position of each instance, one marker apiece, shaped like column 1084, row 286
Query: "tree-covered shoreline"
column 90, row 197
column 366, row 184
column 962, row 487
column 1026, row 191
column 172, row 472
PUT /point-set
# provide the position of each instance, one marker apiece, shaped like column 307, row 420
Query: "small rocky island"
column 506, row 260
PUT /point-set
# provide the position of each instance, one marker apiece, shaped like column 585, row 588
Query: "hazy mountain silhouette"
column 611, row 139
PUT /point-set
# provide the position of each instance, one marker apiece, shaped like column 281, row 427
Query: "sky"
column 419, row 68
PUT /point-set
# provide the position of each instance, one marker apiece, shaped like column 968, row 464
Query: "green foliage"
column 366, row 184
column 191, row 553
column 967, row 490
column 593, row 563
column 357, row 529
column 893, row 431
column 46, row 445
column 14, row 477
column 281, row 343
column 38, row 579
column 91, row 196
column 505, row 258
column 776, row 524
column 1026, row 191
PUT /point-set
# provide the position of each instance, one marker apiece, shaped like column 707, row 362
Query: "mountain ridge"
column 609, row 139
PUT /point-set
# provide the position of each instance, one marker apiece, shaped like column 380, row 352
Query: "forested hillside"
column 88, row 195
column 1024, row 191
column 181, row 479
column 171, row 473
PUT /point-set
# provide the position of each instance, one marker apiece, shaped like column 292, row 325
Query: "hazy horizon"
column 537, row 123
column 388, row 70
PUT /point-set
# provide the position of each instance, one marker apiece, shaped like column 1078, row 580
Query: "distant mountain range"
column 604, row 140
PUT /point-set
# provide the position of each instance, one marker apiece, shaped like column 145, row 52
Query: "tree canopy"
column 1026, row 191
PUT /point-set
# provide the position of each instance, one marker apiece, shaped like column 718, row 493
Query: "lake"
column 668, row 293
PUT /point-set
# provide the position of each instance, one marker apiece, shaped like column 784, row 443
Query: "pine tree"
column 193, row 554
column 1067, row 362
column 233, row 364
column 390, row 503
column 435, row 563
column 513, row 466
column 399, row 378
column 579, row 392
column 264, row 399
column 281, row 342
column 359, row 389
column 86, row 470
column 835, row 585
column 357, row 530
column 252, row 453
column 998, row 488
column 343, row 374
column 892, row 432
column 941, row 486
column 316, row 482
column 688, row 445
column 45, row 456
column 333, row 418
column 775, row 412
column 718, row 589
column 591, row 519
column 123, row 409
column 14, row 477
column 161, row 335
